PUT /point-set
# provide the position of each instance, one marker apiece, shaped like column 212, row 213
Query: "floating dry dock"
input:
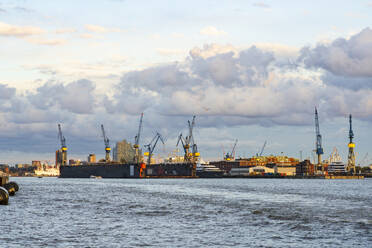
column 118, row 170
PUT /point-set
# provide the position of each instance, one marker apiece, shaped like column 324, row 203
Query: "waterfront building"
column 124, row 152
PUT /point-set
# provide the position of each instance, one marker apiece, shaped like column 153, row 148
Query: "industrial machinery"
column 63, row 159
column 137, row 155
column 107, row 144
column 351, row 156
column 151, row 146
column 318, row 145
column 231, row 156
column 188, row 142
column 263, row 148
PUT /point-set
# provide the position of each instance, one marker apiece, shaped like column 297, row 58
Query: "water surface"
column 188, row 213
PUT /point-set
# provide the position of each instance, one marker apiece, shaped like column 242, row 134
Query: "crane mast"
column 351, row 145
column 151, row 146
column 107, row 144
column 137, row 140
column 63, row 158
column 318, row 148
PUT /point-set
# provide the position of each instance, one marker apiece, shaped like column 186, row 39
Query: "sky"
column 249, row 70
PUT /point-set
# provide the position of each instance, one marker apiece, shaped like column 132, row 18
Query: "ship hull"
column 209, row 174
column 127, row 170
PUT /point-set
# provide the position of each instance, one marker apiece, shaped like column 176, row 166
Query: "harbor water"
column 52, row 212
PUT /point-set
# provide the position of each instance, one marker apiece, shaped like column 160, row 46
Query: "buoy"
column 16, row 187
column 10, row 188
column 4, row 196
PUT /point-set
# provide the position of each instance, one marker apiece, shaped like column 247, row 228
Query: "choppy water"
column 188, row 213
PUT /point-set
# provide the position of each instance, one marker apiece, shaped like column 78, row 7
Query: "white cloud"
column 19, row 31
column 212, row 31
column 65, row 30
column 90, row 36
column 225, row 86
column 101, row 29
column 48, row 42
column 345, row 57
column 209, row 50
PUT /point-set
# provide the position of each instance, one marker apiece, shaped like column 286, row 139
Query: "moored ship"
column 208, row 171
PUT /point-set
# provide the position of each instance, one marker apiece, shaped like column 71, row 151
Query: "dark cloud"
column 347, row 82
column 76, row 97
column 224, row 89
column 6, row 92
column 344, row 57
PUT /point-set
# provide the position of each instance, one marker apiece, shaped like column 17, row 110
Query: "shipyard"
column 185, row 123
column 128, row 161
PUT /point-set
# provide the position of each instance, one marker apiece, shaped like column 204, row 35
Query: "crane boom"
column 189, row 142
column 151, row 146
column 318, row 146
column 319, row 149
column 137, row 138
column 263, row 148
column 61, row 137
column 231, row 156
column 137, row 141
column 351, row 133
column 107, row 144
column 63, row 151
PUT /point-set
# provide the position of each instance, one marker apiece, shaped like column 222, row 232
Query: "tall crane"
column 137, row 140
column 188, row 142
column 318, row 146
column 231, row 156
column 351, row 155
column 263, row 148
column 151, row 146
column 107, row 144
column 63, row 159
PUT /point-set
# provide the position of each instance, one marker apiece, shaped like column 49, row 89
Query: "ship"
column 336, row 166
column 204, row 170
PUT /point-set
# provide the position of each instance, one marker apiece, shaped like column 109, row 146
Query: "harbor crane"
column 231, row 156
column 137, row 140
column 351, row 145
column 63, row 158
column 364, row 160
column 263, row 148
column 151, row 146
column 107, row 144
column 318, row 145
column 188, row 142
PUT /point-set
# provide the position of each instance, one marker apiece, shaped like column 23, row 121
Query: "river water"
column 52, row 212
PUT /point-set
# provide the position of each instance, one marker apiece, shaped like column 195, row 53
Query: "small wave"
column 153, row 213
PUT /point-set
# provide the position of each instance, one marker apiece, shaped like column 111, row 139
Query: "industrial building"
column 124, row 152
column 271, row 164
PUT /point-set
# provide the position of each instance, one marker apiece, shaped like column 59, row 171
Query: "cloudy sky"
column 249, row 70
